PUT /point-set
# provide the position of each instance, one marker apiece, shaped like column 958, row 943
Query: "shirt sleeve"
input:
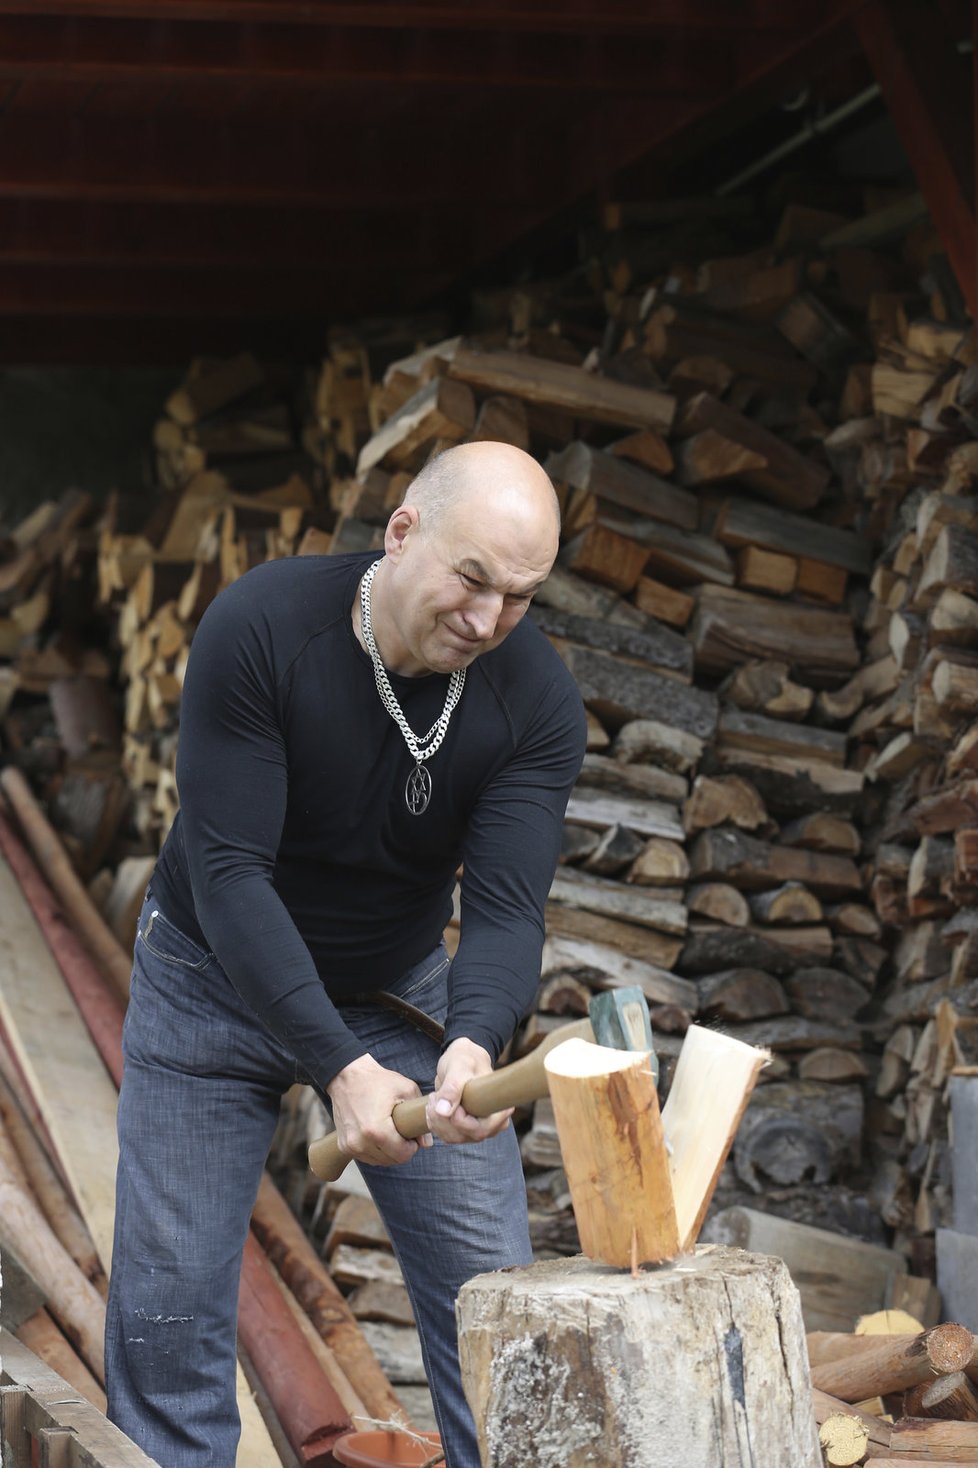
column 232, row 780
column 510, row 855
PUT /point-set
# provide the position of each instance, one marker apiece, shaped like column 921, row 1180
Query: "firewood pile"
column 891, row 1393
column 767, row 592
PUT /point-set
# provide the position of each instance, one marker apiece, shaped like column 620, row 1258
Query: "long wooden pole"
column 53, row 860
column 300, row 1392
column 72, row 1298
column 101, row 1009
column 40, row 1335
column 297, row 1262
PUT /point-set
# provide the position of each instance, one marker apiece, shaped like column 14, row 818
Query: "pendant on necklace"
column 417, row 791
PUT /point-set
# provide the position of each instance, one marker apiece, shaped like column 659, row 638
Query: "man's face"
column 462, row 588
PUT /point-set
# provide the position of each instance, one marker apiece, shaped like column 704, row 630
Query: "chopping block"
column 696, row 1360
column 697, row 1363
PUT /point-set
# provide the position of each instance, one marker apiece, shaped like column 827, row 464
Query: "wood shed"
column 713, row 263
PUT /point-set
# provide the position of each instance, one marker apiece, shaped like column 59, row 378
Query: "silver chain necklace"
column 417, row 791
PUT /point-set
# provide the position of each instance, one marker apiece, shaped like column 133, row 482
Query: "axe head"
column 620, row 1018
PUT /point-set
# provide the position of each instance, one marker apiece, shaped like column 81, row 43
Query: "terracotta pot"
column 377, row 1449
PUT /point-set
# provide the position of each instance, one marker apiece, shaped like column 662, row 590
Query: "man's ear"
column 403, row 523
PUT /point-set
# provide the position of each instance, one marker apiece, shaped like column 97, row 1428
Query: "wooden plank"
column 536, row 380
column 35, row 1406
column 838, row 1278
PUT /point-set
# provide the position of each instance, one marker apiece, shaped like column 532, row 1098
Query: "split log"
column 792, row 902
column 786, row 477
column 844, row 1440
column 660, row 863
column 798, row 1130
column 723, row 800
column 607, row 1115
column 588, row 807
column 650, row 781
column 524, row 1334
column 619, row 692
column 612, row 478
column 601, row 966
column 765, row 736
column 765, row 687
column 737, row 995
column 601, row 554
column 439, row 410
column 753, row 864
column 611, row 899
column 730, row 627
column 720, row 901
column 648, row 739
column 533, row 380
column 614, row 851
column 652, row 644
column 684, row 558
column 743, row 523
column 665, row 603
column 644, row 944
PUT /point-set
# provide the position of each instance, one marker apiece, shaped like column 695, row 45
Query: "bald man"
column 353, row 730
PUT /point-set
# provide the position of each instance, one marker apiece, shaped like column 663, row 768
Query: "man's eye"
column 471, row 583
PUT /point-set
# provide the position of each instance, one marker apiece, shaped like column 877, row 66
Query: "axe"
column 618, row 1017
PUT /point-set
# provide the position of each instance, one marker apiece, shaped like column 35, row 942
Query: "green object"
column 620, row 1018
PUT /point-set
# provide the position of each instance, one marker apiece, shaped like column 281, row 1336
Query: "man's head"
column 475, row 536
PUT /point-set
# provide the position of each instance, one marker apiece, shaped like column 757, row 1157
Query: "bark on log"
column 893, row 1364
column 564, row 1363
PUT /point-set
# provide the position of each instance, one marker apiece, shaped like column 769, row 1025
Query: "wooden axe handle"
column 514, row 1085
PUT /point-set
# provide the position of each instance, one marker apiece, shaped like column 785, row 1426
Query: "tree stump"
column 699, row 1363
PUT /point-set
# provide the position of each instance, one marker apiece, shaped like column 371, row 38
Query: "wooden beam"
column 116, row 49
column 927, row 87
column 141, row 159
column 37, row 231
column 617, row 17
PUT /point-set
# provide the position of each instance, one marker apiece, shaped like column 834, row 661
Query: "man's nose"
column 483, row 613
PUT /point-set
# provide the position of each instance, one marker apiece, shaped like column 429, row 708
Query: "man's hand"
column 363, row 1095
column 447, row 1117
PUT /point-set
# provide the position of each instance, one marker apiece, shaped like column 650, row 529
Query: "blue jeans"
column 198, row 1109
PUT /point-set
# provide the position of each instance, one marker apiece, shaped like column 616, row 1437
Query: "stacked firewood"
column 891, row 1392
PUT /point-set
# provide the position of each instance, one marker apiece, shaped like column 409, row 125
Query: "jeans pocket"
column 169, row 943
column 422, row 975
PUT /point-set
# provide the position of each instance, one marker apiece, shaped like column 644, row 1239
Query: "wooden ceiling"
column 180, row 176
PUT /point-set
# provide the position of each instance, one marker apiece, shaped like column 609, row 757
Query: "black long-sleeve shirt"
column 294, row 856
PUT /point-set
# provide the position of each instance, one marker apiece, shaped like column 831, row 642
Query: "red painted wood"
column 304, row 1400
column 926, row 86
column 100, row 1009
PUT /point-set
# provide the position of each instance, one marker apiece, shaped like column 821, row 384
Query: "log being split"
column 614, row 1152
column 697, row 1362
column 894, row 1364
